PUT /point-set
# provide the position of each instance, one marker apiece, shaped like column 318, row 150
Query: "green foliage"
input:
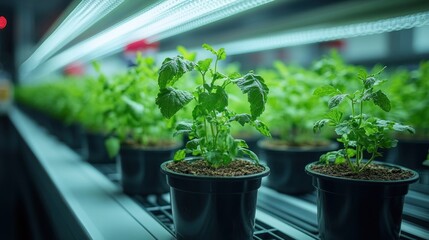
column 291, row 106
column 133, row 116
column 209, row 131
column 409, row 91
column 359, row 132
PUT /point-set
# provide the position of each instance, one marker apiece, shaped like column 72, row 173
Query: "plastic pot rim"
column 410, row 180
column 171, row 173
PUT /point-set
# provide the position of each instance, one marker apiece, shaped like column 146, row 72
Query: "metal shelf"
column 87, row 201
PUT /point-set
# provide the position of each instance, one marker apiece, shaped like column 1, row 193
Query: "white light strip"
column 323, row 34
column 289, row 39
column 81, row 18
column 159, row 19
column 212, row 17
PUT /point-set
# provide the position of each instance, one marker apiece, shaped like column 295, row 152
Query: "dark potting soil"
column 372, row 172
column 200, row 167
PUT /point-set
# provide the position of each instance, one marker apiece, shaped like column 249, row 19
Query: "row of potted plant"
column 213, row 196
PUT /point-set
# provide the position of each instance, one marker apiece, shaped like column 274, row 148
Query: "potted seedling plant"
column 359, row 198
column 138, row 132
column 95, row 107
column 213, row 195
column 290, row 114
column 409, row 91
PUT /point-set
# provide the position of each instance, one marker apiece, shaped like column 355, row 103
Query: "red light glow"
column 3, row 22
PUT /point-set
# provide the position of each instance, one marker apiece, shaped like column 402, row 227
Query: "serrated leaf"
column 209, row 48
column 214, row 101
column 204, row 65
column 179, row 155
column 336, row 100
column 262, row 128
column 249, row 153
column 221, row 54
column 319, row 124
column 183, row 128
column 327, row 90
column 172, row 69
column 112, row 146
column 342, row 128
column 242, row 118
column 380, row 99
column 170, row 100
column 402, row 128
column 254, row 86
column 369, row 82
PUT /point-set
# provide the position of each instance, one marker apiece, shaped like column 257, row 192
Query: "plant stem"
column 367, row 163
column 213, row 135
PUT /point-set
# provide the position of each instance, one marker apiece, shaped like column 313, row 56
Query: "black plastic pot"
column 409, row 153
column 359, row 209
column 287, row 165
column 212, row 208
column 73, row 136
column 139, row 168
column 97, row 152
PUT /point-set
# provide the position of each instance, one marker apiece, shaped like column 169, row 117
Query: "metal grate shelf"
column 297, row 213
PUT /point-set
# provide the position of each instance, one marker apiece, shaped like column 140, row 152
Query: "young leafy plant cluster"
column 291, row 106
column 209, row 132
column 132, row 117
column 410, row 91
column 359, row 132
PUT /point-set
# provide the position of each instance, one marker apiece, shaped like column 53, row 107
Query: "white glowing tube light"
column 289, row 39
column 158, row 19
column 81, row 18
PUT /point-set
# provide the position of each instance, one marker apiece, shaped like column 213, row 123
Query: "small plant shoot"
column 209, row 131
column 359, row 132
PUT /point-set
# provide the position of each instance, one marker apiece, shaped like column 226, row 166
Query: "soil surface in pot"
column 372, row 172
column 200, row 167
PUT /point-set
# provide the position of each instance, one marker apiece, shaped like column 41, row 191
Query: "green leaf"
column 319, row 124
column 209, row 48
column 380, row 99
column 254, row 86
column 170, row 100
column 402, row 128
column 182, row 128
column 234, row 75
column 193, row 144
column 179, row 155
column 172, row 69
column 336, row 100
column 351, row 152
column 426, row 163
column 242, row 118
column 327, row 90
column 187, row 55
column 221, row 54
column 135, row 106
column 241, row 143
column 112, row 145
column 262, row 128
column 214, row 101
column 204, row 65
column 343, row 128
column 249, row 153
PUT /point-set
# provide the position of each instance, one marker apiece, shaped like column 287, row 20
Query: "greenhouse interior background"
column 95, row 95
